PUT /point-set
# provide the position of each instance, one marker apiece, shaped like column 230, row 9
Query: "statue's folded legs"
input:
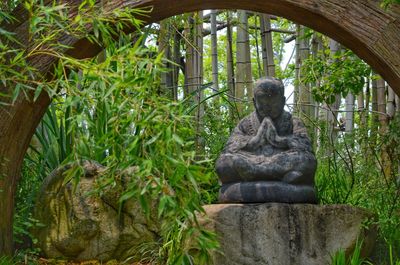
column 292, row 167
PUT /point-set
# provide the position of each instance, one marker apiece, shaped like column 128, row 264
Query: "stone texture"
column 266, row 191
column 281, row 234
column 80, row 226
column 268, row 156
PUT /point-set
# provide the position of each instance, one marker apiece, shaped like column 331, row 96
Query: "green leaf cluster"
column 340, row 73
column 110, row 110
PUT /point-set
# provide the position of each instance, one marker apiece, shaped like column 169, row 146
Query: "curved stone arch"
column 361, row 25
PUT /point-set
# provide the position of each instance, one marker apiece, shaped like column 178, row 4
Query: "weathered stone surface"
column 268, row 157
column 280, row 234
column 80, row 226
column 266, row 191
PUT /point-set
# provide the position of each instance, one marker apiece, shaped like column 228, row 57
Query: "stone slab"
column 280, row 234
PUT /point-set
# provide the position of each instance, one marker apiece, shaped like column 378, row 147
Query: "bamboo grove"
column 225, row 51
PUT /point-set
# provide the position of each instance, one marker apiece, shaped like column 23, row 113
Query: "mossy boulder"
column 80, row 224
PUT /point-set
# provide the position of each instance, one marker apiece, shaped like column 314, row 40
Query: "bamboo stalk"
column 240, row 82
column 214, row 49
column 361, row 108
column 164, row 47
column 349, row 112
column 297, row 73
column 391, row 103
column 177, row 61
column 332, row 115
column 229, row 57
column 267, row 47
column 304, row 89
column 381, row 98
column 374, row 115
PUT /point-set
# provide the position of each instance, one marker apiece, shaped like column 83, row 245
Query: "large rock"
column 80, row 225
column 282, row 234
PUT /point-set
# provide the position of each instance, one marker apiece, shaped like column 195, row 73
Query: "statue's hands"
column 267, row 134
column 269, row 130
column 272, row 136
column 259, row 139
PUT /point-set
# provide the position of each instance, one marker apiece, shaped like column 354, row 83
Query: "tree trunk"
column 17, row 125
column 267, row 47
column 316, row 46
column 249, row 73
column 374, row 115
column 332, row 113
column 383, row 125
column 229, row 66
column 257, row 28
column 349, row 113
column 296, row 91
column 214, row 49
column 361, row 109
column 198, row 78
column 189, row 61
column 194, row 71
column 241, row 64
column 367, row 102
column 306, row 111
column 166, row 83
column 381, row 97
column 177, row 63
column 391, row 103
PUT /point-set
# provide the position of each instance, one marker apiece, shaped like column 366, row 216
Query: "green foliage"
column 355, row 259
column 6, row 261
column 340, row 74
column 123, row 122
column 349, row 173
column 48, row 25
column 52, row 141
column 392, row 142
column 25, row 197
column 387, row 3
column 340, row 258
column 110, row 111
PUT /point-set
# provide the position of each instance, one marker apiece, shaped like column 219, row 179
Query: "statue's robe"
column 240, row 162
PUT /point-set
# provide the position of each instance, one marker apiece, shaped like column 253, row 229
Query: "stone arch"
column 361, row 25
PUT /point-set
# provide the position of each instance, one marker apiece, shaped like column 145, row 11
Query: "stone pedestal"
column 283, row 234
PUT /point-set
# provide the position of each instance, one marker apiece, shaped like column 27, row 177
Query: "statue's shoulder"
column 248, row 125
column 285, row 124
column 299, row 126
column 245, row 123
column 297, row 121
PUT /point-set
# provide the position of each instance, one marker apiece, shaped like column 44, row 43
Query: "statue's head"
column 269, row 97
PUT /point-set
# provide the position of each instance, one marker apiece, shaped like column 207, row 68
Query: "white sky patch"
column 288, row 57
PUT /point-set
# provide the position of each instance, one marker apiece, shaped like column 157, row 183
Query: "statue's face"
column 269, row 103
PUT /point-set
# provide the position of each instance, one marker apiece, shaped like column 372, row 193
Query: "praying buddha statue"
column 268, row 157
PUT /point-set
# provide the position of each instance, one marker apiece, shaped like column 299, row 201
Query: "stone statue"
column 268, row 157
